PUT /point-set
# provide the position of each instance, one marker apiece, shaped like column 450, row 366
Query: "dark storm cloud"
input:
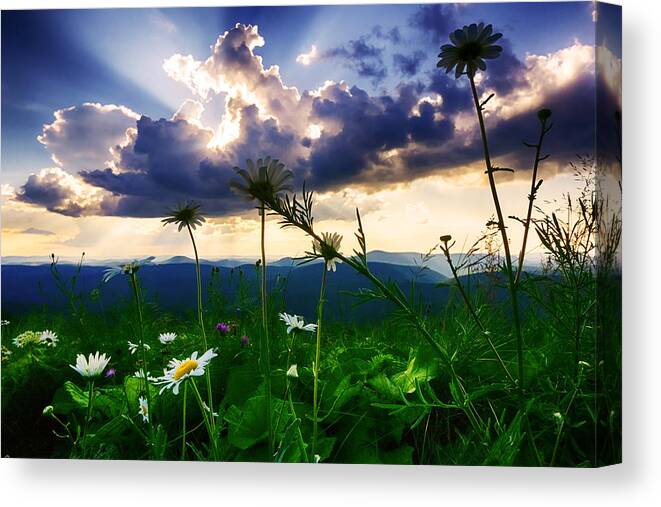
column 573, row 116
column 408, row 65
column 434, row 21
column 455, row 93
column 49, row 189
column 505, row 72
column 393, row 35
column 371, row 126
column 361, row 56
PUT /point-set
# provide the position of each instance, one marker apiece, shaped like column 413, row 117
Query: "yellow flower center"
column 184, row 368
column 144, row 409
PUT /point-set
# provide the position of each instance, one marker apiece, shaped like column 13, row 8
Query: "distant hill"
column 170, row 282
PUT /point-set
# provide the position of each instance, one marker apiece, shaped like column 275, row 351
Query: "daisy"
column 185, row 215
column 92, row 366
column 470, row 46
column 166, row 338
column 133, row 347
column 143, row 409
column 126, row 269
column 328, row 248
column 263, row 180
column 141, row 374
column 180, row 370
column 48, row 338
column 295, row 322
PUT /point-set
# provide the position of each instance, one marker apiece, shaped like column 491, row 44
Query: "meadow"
column 523, row 368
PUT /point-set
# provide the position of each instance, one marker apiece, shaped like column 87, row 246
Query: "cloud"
column 309, row 57
column 333, row 137
column 80, row 136
column 60, row 192
column 361, row 56
column 408, row 65
column 434, row 21
column 38, row 232
column 393, row 35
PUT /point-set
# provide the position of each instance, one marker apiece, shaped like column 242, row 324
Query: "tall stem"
column 90, row 402
column 200, row 317
column 531, row 200
column 141, row 340
column 317, row 356
column 503, row 231
column 183, row 424
column 265, row 347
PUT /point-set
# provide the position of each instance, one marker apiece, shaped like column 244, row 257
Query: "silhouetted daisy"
column 470, row 47
column 262, row 180
column 185, row 215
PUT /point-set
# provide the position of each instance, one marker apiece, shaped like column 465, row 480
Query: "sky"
column 110, row 117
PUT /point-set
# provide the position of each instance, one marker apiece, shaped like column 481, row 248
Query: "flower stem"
column 183, row 424
column 315, row 404
column 503, row 231
column 138, row 304
column 200, row 316
column 208, row 421
column 265, row 347
column 90, row 402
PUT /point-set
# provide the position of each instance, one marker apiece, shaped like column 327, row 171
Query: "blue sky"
column 380, row 57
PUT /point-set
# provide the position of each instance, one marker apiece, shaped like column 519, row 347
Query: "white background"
column 636, row 482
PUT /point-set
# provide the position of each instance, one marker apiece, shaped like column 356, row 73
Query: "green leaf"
column 68, row 398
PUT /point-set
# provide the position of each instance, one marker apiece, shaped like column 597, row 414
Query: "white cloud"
column 81, row 136
column 309, row 57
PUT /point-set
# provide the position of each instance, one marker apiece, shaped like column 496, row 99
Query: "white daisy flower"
column 133, row 347
column 4, row 322
column 48, row 338
column 292, row 372
column 166, row 338
column 328, row 249
column 92, row 366
column 296, row 322
column 141, row 374
column 143, row 408
column 180, row 370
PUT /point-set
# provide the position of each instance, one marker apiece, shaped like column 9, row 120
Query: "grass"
column 385, row 397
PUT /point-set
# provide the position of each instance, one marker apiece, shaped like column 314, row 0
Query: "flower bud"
column 48, row 410
column 544, row 114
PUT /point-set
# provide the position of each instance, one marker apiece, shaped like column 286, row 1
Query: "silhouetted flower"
column 470, row 46
column 185, row 215
column 262, row 180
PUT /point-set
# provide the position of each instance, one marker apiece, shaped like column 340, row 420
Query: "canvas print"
column 363, row 234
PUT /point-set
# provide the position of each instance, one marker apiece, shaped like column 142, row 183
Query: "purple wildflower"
column 245, row 341
column 223, row 328
column 111, row 372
